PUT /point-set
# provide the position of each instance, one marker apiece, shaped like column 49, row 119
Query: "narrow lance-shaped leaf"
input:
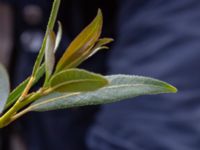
column 50, row 26
column 77, row 80
column 86, row 39
column 58, row 36
column 90, row 52
column 15, row 94
column 4, row 87
column 103, row 41
column 120, row 87
column 100, row 45
column 49, row 53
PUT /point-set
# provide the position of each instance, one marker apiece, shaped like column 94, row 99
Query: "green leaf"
column 49, row 53
column 50, row 26
column 58, row 36
column 90, row 52
column 103, row 41
column 82, row 43
column 120, row 87
column 15, row 94
column 4, row 87
column 100, row 45
column 77, row 80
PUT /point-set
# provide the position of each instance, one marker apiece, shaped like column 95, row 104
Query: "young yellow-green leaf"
column 86, row 39
column 58, row 36
column 90, row 52
column 77, row 80
column 100, row 45
column 103, row 41
column 76, row 62
column 4, row 87
column 120, row 87
column 49, row 53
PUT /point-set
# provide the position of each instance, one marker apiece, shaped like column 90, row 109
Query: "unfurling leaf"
column 58, row 36
column 4, row 87
column 82, row 43
column 120, row 87
column 103, row 41
column 50, row 26
column 77, row 80
column 49, row 53
column 100, row 45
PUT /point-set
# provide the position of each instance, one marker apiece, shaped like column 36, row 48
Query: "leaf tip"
column 174, row 89
column 99, row 13
column 99, row 17
column 171, row 88
column 111, row 40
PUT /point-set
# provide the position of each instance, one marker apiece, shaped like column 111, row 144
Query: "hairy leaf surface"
column 120, row 87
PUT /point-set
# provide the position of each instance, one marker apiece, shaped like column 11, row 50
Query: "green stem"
column 23, row 100
column 13, row 114
column 27, row 88
column 50, row 26
column 6, row 118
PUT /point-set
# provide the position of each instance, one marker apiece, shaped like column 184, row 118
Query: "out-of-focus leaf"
column 120, row 87
column 16, row 93
column 85, row 40
column 100, row 45
column 103, row 41
column 49, row 53
column 58, row 36
column 77, row 80
column 4, row 87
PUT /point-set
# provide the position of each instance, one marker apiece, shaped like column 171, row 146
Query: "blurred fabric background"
column 156, row 38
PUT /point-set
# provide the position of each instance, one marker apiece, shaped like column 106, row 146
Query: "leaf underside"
column 58, row 36
column 120, row 87
column 4, row 87
column 49, row 53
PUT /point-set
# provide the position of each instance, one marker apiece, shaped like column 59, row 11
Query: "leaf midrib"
column 77, row 93
column 76, row 81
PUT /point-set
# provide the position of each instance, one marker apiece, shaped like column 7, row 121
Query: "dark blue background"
column 156, row 38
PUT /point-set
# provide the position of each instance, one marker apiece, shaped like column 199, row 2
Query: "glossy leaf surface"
column 82, row 43
column 90, row 52
column 77, row 80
